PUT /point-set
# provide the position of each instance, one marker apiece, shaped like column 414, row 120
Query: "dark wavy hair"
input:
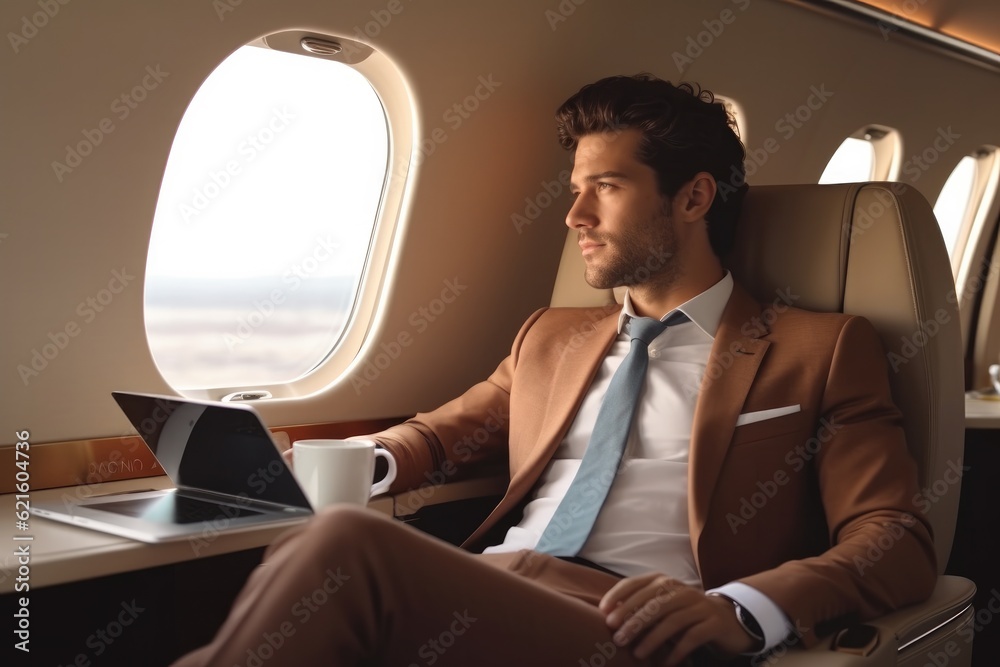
column 684, row 129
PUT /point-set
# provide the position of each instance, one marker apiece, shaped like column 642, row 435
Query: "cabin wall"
column 63, row 241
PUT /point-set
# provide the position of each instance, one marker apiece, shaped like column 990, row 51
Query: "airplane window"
column 870, row 154
column 854, row 161
column 966, row 207
column 264, row 220
column 953, row 204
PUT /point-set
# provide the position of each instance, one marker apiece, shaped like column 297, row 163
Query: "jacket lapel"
column 571, row 381
column 732, row 367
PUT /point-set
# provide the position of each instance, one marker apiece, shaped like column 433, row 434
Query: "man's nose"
column 581, row 213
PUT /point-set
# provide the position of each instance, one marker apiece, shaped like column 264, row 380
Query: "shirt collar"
column 705, row 309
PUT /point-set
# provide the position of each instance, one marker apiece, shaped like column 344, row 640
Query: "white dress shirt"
column 643, row 526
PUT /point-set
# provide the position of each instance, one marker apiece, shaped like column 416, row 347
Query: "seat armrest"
column 951, row 596
column 898, row 630
column 408, row 502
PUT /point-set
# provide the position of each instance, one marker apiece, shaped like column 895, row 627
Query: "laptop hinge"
column 242, row 501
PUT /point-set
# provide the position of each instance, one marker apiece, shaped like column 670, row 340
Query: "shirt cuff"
column 773, row 622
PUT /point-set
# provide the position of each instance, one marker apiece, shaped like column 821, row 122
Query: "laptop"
column 228, row 473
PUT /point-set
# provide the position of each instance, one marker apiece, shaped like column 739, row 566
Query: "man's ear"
column 696, row 197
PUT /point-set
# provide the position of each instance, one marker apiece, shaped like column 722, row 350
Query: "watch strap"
column 746, row 621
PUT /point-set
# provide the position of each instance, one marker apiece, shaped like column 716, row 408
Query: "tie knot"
column 646, row 328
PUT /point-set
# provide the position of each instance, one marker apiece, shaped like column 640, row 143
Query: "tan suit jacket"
column 813, row 508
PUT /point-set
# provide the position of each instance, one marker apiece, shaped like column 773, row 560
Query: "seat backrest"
column 870, row 249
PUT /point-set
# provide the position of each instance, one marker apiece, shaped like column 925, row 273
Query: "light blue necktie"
column 574, row 518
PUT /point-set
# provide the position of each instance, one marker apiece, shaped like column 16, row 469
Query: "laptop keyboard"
column 172, row 508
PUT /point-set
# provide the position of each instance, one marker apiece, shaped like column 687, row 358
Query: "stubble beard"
column 641, row 257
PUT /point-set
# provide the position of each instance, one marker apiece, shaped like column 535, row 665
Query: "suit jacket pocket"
column 785, row 426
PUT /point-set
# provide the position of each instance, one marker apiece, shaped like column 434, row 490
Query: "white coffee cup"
column 339, row 471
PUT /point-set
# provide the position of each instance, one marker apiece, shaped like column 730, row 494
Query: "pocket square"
column 761, row 415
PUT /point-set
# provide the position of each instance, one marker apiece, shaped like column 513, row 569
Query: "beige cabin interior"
column 461, row 204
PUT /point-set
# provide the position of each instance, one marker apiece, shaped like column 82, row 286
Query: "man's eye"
column 604, row 186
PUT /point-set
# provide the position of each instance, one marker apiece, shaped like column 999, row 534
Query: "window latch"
column 254, row 395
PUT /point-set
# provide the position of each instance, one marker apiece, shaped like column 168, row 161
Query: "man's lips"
column 587, row 246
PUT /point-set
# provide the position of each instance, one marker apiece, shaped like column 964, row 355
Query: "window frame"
column 887, row 146
column 386, row 80
column 971, row 245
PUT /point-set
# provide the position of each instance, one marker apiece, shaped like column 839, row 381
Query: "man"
column 664, row 566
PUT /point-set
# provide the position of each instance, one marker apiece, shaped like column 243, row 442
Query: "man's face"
column 626, row 231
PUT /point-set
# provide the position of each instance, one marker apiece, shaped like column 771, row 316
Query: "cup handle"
column 383, row 484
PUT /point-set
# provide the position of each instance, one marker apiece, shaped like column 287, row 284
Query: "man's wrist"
column 746, row 621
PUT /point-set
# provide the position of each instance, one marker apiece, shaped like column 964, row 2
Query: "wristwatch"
column 746, row 621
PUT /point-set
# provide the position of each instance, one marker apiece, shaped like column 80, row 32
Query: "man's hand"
column 652, row 610
column 284, row 446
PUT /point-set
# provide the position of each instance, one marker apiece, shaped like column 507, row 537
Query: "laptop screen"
column 213, row 446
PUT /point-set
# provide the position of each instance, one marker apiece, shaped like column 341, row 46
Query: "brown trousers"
column 352, row 587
